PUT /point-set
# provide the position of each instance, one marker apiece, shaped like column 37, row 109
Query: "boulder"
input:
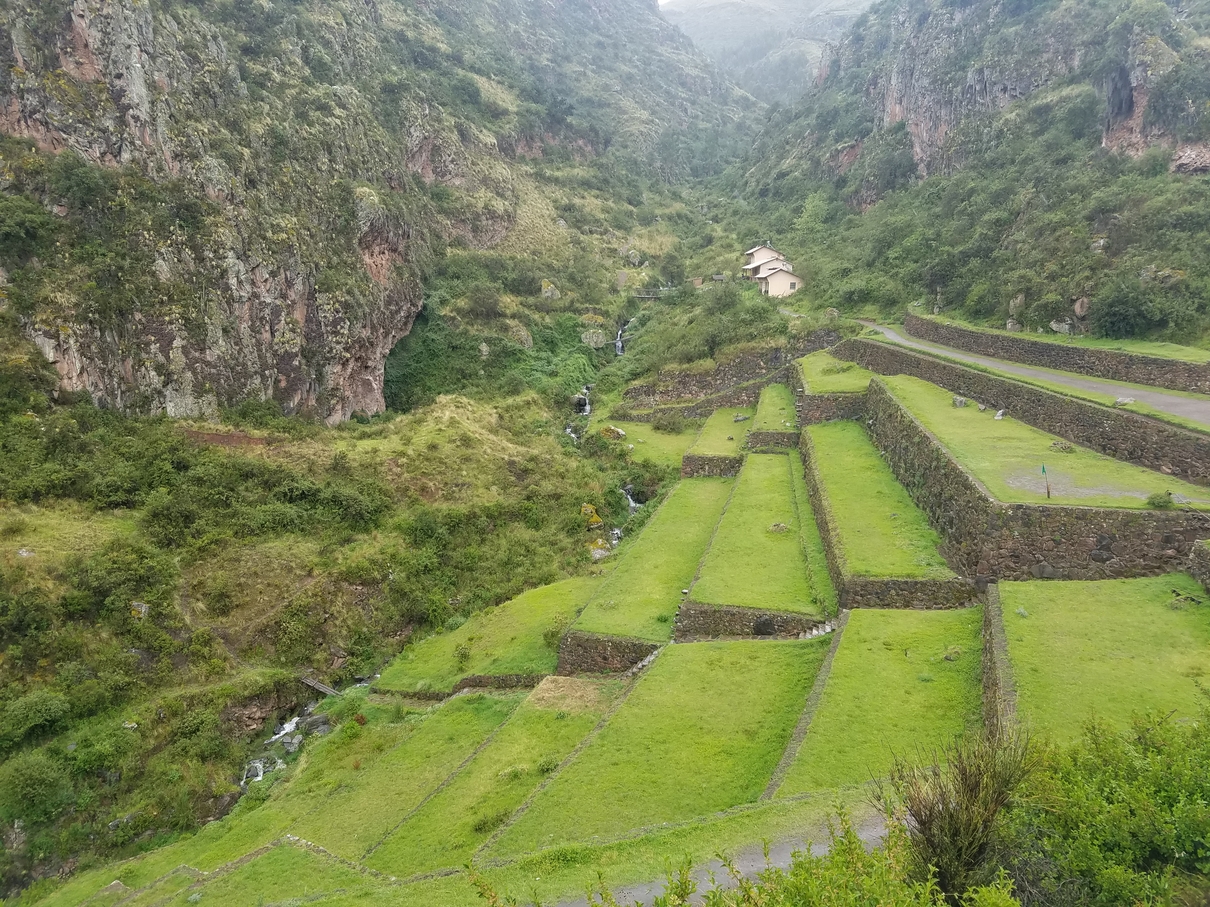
column 959, row 402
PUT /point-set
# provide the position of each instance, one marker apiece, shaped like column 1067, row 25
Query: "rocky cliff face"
column 312, row 136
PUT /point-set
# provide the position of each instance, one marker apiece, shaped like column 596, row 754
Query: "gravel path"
column 750, row 862
column 1185, row 407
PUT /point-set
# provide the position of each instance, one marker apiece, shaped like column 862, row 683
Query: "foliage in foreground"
column 846, row 875
column 1118, row 819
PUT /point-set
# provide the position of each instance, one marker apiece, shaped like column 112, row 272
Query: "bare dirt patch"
column 571, row 694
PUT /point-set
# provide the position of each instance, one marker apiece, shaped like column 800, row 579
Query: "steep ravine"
column 331, row 147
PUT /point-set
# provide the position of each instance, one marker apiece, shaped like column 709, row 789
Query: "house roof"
column 763, row 262
column 773, row 271
column 758, row 248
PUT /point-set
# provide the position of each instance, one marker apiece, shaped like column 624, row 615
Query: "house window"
column 793, row 285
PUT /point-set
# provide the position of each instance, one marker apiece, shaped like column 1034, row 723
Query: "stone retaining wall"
column 697, row 465
column 999, row 690
column 759, row 439
column 1117, row 433
column 1111, row 364
column 1199, row 564
column 470, row 682
column 747, row 395
column 695, row 620
column 589, row 653
column 814, row 409
column 673, row 386
column 988, row 538
column 861, row 592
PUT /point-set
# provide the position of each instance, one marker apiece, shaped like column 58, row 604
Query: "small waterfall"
column 634, row 505
column 617, row 344
column 587, row 411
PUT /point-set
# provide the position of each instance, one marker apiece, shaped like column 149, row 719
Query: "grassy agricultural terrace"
column 640, row 598
column 518, row 637
column 660, row 447
column 880, row 531
column 702, row 731
column 1007, row 456
column 1053, row 382
column 1108, row 649
column 756, row 559
column 775, row 410
column 722, row 436
column 901, row 681
column 824, row 374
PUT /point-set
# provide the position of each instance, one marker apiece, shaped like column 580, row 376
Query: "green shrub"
column 952, row 807
column 33, row 788
column 1161, row 500
column 669, row 422
column 35, row 712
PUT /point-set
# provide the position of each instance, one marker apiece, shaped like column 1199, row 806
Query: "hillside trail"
column 750, row 863
column 1185, row 407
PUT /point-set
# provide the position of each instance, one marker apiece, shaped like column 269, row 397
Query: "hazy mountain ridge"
column 772, row 48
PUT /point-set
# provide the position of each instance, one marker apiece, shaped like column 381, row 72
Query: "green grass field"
column 649, row 444
column 702, row 731
column 880, row 530
column 508, row 639
column 824, row 374
column 1007, row 456
column 747, row 564
column 823, row 592
column 722, row 436
column 1111, row 648
column 775, row 411
column 447, row 830
column 901, row 680
column 640, row 598
column 356, row 815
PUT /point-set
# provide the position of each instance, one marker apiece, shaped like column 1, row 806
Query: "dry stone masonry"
column 861, row 592
column 698, row 621
column 694, row 466
column 591, row 653
column 988, row 538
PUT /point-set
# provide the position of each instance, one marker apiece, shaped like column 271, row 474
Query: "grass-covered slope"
column 640, row 597
column 1111, row 650
column 349, row 814
column 722, row 436
column 901, row 680
column 446, row 830
column 1007, row 456
column 756, row 557
column 518, row 637
column 879, row 529
column 702, row 731
column 775, row 410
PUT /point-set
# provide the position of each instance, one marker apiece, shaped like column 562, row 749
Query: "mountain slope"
column 1009, row 160
column 247, row 195
column 771, row 47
